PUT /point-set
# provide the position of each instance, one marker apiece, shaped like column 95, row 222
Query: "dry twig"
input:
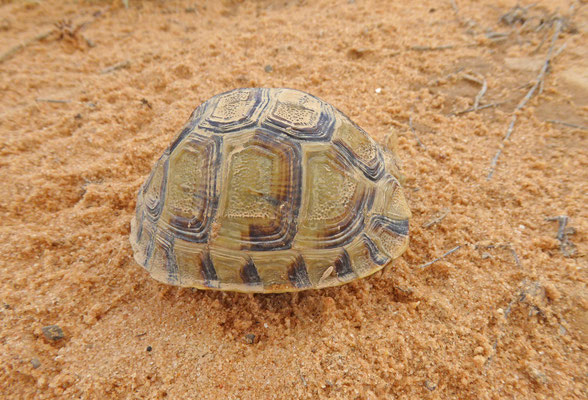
column 120, row 65
column 564, row 123
column 442, row 257
column 39, row 100
column 565, row 245
column 537, row 85
column 5, row 56
column 438, row 218
column 414, row 133
column 468, row 110
column 449, row 75
column 432, row 48
column 507, row 246
column 480, row 94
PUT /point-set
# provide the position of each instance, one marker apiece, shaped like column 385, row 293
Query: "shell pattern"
column 269, row 190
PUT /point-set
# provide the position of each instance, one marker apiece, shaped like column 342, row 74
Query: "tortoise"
column 270, row 190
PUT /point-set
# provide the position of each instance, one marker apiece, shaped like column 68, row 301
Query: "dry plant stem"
column 454, row 6
column 5, row 56
column 507, row 246
column 430, row 48
column 530, row 93
column 442, row 257
column 480, row 94
column 563, row 222
column 53, row 101
column 440, row 216
column 449, row 75
column 414, row 133
column 564, row 123
column 520, row 295
column 514, row 255
column 477, row 109
column 120, row 65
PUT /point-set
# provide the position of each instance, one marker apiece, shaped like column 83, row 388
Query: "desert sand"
column 486, row 104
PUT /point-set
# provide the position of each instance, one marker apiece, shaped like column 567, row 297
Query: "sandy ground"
column 89, row 104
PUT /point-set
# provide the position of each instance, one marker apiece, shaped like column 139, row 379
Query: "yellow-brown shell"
column 269, row 190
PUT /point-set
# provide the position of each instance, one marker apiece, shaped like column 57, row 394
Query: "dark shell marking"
column 269, row 190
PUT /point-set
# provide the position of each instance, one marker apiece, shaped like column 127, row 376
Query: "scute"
column 360, row 149
column 191, row 190
column 269, row 190
column 299, row 115
column 234, row 110
column 261, row 193
column 334, row 204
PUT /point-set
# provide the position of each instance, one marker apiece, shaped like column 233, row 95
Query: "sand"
column 87, row 106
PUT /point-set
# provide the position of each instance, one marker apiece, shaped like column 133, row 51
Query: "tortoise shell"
column 269, row 190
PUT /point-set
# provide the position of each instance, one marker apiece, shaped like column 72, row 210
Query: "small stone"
column 480, row 360
column 90, row 42
column 378, row 90
column 53, row 332
column 250, row 338
column 430, row 385
column 268, row 68
column 149, row 348
column 35, row 363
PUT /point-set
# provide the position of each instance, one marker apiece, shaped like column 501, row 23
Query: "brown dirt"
column 505, row 316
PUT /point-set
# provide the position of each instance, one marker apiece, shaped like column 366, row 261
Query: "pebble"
column 35, row 363
column 250, row 338
column 53, row 332
column 430, row 385
column 268, row 68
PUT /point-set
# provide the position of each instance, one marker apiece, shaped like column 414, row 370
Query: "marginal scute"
column 365, row 256
column 194, row 264
column 162, row 264
column 228, row 265
column 298, row 274
column 390, row 236
column 300, row 116
column 249, row 274
column 142, row 238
